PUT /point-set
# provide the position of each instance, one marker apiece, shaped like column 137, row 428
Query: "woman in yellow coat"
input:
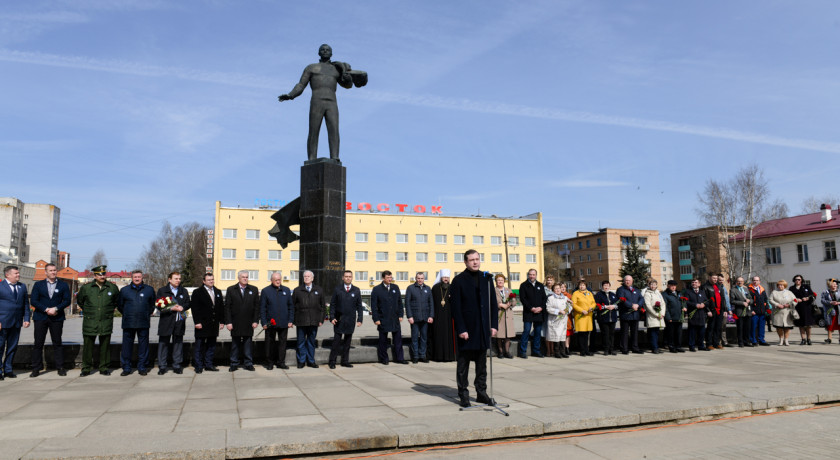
column 583, row 303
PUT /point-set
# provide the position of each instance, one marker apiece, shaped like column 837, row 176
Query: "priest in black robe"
column 442, row 331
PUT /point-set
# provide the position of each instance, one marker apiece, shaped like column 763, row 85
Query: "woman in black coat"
column 805, row 307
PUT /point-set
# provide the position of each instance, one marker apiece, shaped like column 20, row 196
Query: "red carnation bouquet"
column 511, row 298
column 165, row 303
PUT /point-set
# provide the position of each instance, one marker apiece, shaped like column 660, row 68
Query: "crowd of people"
column 552, row 318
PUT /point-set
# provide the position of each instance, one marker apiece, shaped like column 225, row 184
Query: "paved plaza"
column 372, row 406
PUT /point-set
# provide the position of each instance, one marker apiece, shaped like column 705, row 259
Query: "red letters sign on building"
column 401, row 207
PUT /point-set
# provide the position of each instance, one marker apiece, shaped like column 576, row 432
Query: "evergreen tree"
column 634, row 264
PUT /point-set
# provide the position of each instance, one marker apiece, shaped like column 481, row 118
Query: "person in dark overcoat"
column 208, row 314
column 277, row 315
column 607, row 315
column 760, row 308
column 673, row 317
column 442, row 331
column 137, row 303
column 172, row 325
column 310, row 310
column 346, row 314
column 476, row 316
column 420, row 313
column 242, row 311
column 741, row 301
column 629, row 310
column 533, row 298
column 716, row 305
column 49, row 298
column 696, row 314
column 387, row 310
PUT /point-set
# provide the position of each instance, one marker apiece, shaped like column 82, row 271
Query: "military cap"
column 672, row 283
column 99, row 269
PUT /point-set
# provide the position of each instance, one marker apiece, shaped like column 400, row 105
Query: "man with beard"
column 442, row 332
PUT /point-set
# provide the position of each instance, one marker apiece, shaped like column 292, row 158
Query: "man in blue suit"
column 277, row 314
column 49, row 297
column 14, row 310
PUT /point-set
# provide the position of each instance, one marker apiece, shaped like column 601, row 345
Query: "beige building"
column 28, row 231
column 404, row 243
column 598, row 256
column 667, row 273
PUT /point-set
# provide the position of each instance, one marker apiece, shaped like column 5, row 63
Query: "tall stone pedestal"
column 322, row 221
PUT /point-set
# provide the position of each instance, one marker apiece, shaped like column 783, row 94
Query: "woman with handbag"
column 805, row 297
column 782, row 301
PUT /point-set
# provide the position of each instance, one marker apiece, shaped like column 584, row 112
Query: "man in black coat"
column 387, row 310
column 208, row 310
column 476, row 316
column 172, row 325
column 242, row 311
column 346, row 315
column 696, row 312
column 674, row 315
column 716, row 305
column 607, row 315
column 49, row 297
column 533, row 298
column 310, row 309
column 277, row 314
column 630, row 311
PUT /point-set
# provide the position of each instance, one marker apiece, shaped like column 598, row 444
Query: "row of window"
column 773, row 255
column 420, row 238
column 625, row 241
column 294, row 275
column 254, row 254
column 382, row 256
column 589, row 271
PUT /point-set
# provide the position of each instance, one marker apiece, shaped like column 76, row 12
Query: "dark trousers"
column 673, row 333
column 240, row 347
column 275, row 345
column 55, row 328
column 583, row 342
column 104, row 352
column 592, row 335
column 341, row 347
column 607, row 335
column 306, row 336
column 463, row 369
column 742, row 325
column 535, row 340
column 629, row 335
column 204, row 352
column 713, row 330
column 696, row 336
column 128, row 348
column 653, row 338
column 396, row 347
column 9, row 337
column 419, row 336
column 167, row 342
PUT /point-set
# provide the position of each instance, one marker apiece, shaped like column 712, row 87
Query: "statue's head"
column 325, row 51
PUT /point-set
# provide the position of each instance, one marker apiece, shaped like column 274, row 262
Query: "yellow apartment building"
column 403, row 242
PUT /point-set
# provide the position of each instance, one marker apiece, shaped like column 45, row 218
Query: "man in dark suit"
column 242, row 311
column 207, row 308
column 696, row 313
column 533, row 298
column 310, row 310
column 386, row 308
column 741, row 301
column 277, row 314
column 716, row 304
column 50, row 297
column 172, row 325
column 14, row 312
column 345, row 315
column 630, row 304
column 420, row 313
column 476, row 316
column 759, row 305
column 137, row 303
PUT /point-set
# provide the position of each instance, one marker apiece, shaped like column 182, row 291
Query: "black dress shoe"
column 625, row 352
column 613, row 352
column 300, row 365
column 538, row 355
column 638, row 352
column 84, row 374
column 691, row 349
column 161, row 371
column 269, row 366
column 346, row 365
column 282, row 366
column 680, row 350
column 808, row 341
column 464, row 401
column 384, row 363
column 672, row 350
column 62, row 372
column 212, row 368
column 482, row 398
column 522, row 356
column 249, row 368
column 312, row 365
column 507, row 355
column 764, row 344
column 415, row 360
column 125, row 373
column 749, row 345
column 179, row 371
column 232, row 369
column 199, row 370
column 35, row 373
column 332, row 365
column 108, row 372
column 143, row 372
column 401, row 362
column 426, row 360
column 11, row 375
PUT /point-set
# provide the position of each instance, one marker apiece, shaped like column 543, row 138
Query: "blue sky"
column 596, row 113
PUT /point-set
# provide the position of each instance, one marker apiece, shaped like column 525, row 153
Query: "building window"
column 588, row 271
column 587, row 244
column 514, row 276
column 402, row 257
column 271, row 272
column 481, row 257
column 440, row 239
column 625, row 241
column 402, row 237
column 802, row 252
column 422, row 257
column 496, row 258
column 478, row 240
column 381, row 256
column 361, row 256
column 496, row 240
column 684, row 255
column 440, row 257
column 275, row 254
column 228, row 253
column 381, row 237
column 830, row 250
column 253, row 275
column 513, row 258
column 580, row 244
column 294, row 275
column 600, row 256
column 228, row 275
column 252, row 254
column 295, row 255
column 530, row 258
column 597, row 241
column 251, row 234
column 600, row 270
column 361, row 276
column 589, row 257
column 685, row 270
column 421, row 238
column 581, row 272
column 580, row 258
column 401, row 276
column 513, row 241
column 229, row 233
column 774, row 255
column 530, row 241
column 378, row 276
column 459, row 257
column 459, row 239
column 361, row 237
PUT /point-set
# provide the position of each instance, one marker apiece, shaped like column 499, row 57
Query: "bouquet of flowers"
column 512, row 299
column 165, row 303
column 683, row 300
column 657, row 308
column 272, row 322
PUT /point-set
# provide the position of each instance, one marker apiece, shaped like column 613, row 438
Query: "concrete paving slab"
column 136, row 400
column 335, row 437
column 34, row 428
column 274, row 407
column 463, row 426
column 19, row 448
column 295, row 420
column 201, row 421
column 348, row 414
column 325, row 398
column 205, row 445
column 210, row 405
column 119, row 423
column 582, row 417
column 267, row 392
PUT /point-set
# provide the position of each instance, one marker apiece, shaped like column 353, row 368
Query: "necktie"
column 212, row 297
column 308, row 288
column 348, row 288
column 242, row 291
column 15, row 288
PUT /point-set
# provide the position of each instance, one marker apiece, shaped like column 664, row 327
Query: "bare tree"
column 750, row 186
column 778, row 209
column 97, row 259
column 179, row 249
column 812, row 203
column 719, row 208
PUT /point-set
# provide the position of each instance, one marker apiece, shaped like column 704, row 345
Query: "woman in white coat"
column 782, row 301
column 558, row 307
column 655, row 314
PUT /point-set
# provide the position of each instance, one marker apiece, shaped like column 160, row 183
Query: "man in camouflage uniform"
column 98, row 300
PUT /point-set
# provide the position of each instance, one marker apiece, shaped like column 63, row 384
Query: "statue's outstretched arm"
column 298, row 89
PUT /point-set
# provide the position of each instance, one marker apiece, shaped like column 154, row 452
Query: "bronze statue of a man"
column 322, row 77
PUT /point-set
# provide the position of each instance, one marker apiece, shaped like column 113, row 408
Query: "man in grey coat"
column 420, row 312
